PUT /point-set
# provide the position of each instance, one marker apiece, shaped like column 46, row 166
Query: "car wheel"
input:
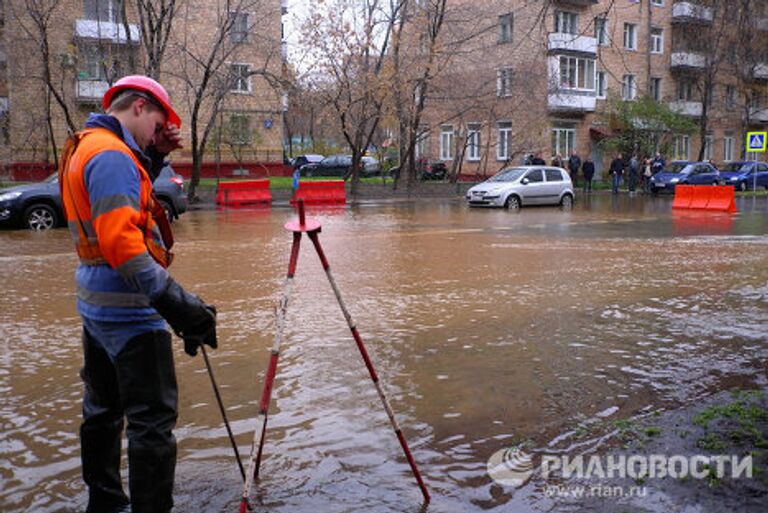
column 512, row 203
column 715, row 183
column 567, row 201
column 742, row 186
column 41, row 217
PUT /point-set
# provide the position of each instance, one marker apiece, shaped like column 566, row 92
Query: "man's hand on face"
column 169, row 139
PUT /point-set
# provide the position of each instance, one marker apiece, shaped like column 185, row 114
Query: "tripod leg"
column 374, row 377
column 261, row 420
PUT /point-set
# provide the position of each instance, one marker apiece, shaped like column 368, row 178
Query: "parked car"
column 425, row 170
column 745, row 175
column 340, row 165
column 694, row 173
column 515, row 187
column 37, row 206
column 303, row 160
column 371, row 167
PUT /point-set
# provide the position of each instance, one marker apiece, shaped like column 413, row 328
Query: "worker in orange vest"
column 125, row 296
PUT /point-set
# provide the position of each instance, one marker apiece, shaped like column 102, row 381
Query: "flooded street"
column 486, row 327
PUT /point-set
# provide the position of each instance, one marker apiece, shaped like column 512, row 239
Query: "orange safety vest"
column 156, row 236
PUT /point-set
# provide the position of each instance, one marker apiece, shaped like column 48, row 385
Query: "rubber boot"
column 101, row 431
column 147, row 381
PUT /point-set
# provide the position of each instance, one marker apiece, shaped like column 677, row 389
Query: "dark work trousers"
column 140, row 386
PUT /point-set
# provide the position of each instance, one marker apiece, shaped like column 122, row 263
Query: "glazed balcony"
column 560, row 42
column 107, row 31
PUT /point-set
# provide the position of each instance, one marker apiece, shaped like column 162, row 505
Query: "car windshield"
column 676, row 168
column 745, row 168
column 508, row 175
column 735, row 167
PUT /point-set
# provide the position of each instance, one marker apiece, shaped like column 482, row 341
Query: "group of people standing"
column 635, row 173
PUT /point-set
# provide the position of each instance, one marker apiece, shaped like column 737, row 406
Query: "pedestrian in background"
column 633, row 173
column 616, row 171
column 647, row 174
column 657, row 166
column 574, row 163
column 124, row 292
column 588, row 169
column 557, row 161
column 537, row 160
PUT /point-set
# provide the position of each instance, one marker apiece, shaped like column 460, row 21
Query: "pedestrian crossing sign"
column 756, row 141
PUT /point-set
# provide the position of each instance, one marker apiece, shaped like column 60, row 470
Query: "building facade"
column 542, row 79
column 58, row 59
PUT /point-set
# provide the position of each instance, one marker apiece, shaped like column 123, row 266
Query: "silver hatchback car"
column 514, row 187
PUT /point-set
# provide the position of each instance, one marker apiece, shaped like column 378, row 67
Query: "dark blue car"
column 37, row 206
column 743, row 177
column 687, row 173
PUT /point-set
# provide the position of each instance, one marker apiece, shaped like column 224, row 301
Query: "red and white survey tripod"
column 312, row 228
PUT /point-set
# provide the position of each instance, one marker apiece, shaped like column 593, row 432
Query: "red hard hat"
column 146, row 85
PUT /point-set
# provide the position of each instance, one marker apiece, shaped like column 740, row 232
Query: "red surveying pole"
column 374, row 377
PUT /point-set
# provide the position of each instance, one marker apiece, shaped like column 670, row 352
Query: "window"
column 446, row 142
column 728, row 147
column 535, row 176
column 554, row 175
column 504, row 82
column 504, row 140
column 755, row 100
column 239, row 31
column 577, row 73
column 103, row 10
column 240, row 77
column 421, row 143
column 682, row 147
column 630, row 36
column 239, row 130
column 566, row 22
column 708, row 144
column 473, row 141
column 628, row 87
column 91, row 63
column 657, row 40
column 601, row 31
column 656, row 88
column 563, row 140
column 506, row 24
column 602, row 84
column 685, row 90
column 657, row 3
column 730, row 97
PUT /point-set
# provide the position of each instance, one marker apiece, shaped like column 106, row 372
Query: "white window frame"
column 506, row 27
column 236, row 69
column 503, row 140
column 630, row 36
column 504, row 82
column 685, row 90
column 474, row 143
column 566, row 22
column 730, row 97
column 656, row 92
column 563, row 141
column 657, row 40
column 446, row 142
column 112, row 10
column 601, row 31
column 628, row 87
column 728, row 147
column 601, row 84
column 580, row 69
column 709, row 144
column 682, row 143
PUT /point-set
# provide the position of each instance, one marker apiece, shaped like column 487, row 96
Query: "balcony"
column 761, row 24
column 758, row 115
column 688, row 60
column 760, row 71
column 89, row 90
column 568, row 101
column 106, row 31
column 574, row 43
column 693, row 109
column 691, row 12
column 580, row 3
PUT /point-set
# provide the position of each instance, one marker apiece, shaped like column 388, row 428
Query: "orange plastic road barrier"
column 325, row 192
column 723, row 199
column 683, row 196
column 705, row 197
column 243, row 193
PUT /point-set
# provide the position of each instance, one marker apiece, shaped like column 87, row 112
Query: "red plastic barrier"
column 326, row 192
column 701, row 196
column 243, row 193
column 723, row 199
column 683, row 196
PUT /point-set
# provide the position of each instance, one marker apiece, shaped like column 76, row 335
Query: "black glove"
column 190, row 318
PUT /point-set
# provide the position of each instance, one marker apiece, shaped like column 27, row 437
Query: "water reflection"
column 487, row 327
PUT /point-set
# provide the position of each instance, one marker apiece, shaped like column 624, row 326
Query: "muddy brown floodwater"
column 486, row 327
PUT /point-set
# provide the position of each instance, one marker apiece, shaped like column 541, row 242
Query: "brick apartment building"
column 91, row 43
column 536, row 76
